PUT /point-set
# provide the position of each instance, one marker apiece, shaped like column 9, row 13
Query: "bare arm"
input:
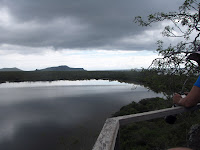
column 190, row 100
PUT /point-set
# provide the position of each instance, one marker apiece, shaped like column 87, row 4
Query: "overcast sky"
column 92, row 34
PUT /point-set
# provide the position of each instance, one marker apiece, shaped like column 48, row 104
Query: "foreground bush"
column 155, row 134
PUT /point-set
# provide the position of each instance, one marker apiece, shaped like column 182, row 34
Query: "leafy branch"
column 186, row 26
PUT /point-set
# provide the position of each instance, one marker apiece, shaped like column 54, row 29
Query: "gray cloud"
column 88, row 24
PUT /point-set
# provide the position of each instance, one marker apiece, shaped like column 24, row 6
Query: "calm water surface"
column 60, row 115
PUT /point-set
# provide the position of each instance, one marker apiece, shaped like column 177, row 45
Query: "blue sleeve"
column 197, row 83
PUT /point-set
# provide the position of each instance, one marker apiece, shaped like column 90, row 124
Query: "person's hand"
column 176, row 98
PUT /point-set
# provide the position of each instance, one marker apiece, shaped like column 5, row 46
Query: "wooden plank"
column 108, row 135
column 123, row 120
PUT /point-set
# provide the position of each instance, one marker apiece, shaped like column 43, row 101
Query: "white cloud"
column 89, row 60
column 5, row 17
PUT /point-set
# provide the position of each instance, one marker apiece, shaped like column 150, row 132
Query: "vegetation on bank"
column 149, row 78
column 60, row 75
column 155, row 134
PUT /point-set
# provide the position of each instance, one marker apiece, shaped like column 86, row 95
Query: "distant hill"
column 61, row 68
column 10, row 69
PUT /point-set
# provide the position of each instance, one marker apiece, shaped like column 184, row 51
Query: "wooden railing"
column 107, row 139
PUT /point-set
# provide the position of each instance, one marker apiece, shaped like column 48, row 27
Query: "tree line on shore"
column 149, row 78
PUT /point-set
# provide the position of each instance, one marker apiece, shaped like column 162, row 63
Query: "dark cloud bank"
column 88, row 24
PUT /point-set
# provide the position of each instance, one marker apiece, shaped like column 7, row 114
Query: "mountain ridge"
column 61, row 68
column 56, row 68
column 11, row 69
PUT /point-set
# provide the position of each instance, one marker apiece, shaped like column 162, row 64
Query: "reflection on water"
column 60, row 115
column 60, row 83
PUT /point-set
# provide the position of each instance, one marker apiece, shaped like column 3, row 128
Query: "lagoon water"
column 60, row 115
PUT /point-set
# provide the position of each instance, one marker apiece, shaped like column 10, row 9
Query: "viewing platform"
column 109, row 136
